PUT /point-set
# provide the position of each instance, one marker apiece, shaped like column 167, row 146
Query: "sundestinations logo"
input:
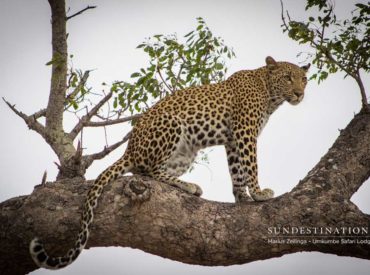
column 318, row 235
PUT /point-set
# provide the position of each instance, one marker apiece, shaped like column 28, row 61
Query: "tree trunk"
column 58, row 87
column 192, row 230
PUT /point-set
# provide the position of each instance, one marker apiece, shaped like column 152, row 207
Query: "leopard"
column 166, row 138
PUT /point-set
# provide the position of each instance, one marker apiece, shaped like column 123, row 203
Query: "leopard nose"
column 298, row 94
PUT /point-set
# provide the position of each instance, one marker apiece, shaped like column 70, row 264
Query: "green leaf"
column 74, row 104
column 219, row 66
column 188, row 34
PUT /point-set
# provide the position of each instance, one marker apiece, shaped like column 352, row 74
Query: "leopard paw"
column 263, row 195
column 241, row 197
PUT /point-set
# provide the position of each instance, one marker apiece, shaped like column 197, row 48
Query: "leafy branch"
column 173, row 65
column 339, row 45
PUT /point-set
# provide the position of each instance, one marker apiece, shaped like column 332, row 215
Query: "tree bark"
column 61, row 142
column 58, row 88
column 193, row 230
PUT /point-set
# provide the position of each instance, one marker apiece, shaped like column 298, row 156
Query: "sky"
column 105, row 40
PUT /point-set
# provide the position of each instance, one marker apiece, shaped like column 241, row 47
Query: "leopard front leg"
column 237, row 174
column 246, row 146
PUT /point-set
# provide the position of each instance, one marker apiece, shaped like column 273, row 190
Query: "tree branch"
column 106, row 150
column 324, row 51
column 39, row 114
column 110, row 121
column 86, row 118
column 362, row 91
column 200, row 232
column 77, row 89
column 31, row 121
column 163, row 81
column 80, row 12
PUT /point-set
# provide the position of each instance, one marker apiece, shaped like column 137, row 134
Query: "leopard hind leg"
column 176, row 164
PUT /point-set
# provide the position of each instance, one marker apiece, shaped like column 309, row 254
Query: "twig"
column 163, row 81
column 105, row 136
column 81, row 11
column 178, row 76
column 282, row 15
column 78, row 155
column 44, row 176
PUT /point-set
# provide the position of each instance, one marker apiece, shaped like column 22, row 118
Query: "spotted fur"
column 166, row 138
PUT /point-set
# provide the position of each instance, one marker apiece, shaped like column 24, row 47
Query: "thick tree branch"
column 337, row 170
column 189, row 229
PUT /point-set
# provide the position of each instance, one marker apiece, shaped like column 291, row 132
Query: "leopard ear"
column 306, row 67
column 271, row 64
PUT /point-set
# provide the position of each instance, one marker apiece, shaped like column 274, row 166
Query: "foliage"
column 339, row 44
column 173, row 66
column 77, row 89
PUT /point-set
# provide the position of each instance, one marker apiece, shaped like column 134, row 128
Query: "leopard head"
column 286, row 81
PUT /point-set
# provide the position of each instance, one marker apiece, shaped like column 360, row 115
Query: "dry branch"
column 81, row 11
column 31, row 121
column 110, row 121
column 39, row 114
column 86, row 118
column 189, row 229
column 107, row 149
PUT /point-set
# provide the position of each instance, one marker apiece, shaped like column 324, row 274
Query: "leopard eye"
column 288, row 77
column 304, row 79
